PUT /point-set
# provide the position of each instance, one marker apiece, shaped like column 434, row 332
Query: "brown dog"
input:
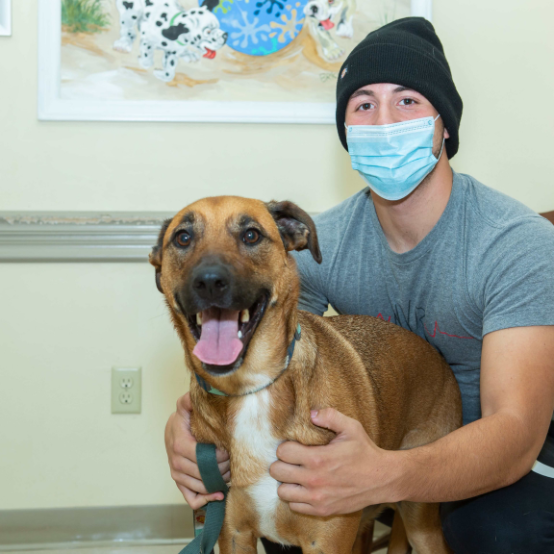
column 232, row 291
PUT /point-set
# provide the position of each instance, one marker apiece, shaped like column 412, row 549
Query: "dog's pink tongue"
column 219, row 343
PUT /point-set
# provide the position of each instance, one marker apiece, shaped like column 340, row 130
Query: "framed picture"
column 201, row 60
column 5, row 18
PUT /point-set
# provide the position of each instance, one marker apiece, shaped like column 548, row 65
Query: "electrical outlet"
column 126, row 390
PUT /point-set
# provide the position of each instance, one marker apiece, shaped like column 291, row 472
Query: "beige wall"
column 63, row 326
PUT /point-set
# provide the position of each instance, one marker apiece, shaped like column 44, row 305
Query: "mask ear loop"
column 443, row 141
column 442, row 149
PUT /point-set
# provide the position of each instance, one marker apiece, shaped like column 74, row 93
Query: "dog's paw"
column 123, row 45
column 146, row 61
column 333, row 52
column 163, row 75
column 191, row 57
column 345, row 29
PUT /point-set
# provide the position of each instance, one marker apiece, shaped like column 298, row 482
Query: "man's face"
column 384, row 103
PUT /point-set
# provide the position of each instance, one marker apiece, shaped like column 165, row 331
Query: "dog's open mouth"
column 210, row 54
column 223, row 335
column 327, row 24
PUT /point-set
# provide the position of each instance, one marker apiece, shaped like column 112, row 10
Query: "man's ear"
column 155, row 257
column 296, row 227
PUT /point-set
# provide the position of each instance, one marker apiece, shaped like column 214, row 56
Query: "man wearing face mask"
column 465, row 267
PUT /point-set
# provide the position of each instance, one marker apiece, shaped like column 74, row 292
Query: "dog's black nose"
column 211, row 282
column 314, row 9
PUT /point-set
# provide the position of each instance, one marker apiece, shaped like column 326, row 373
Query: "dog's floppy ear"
column 155, row 257
column 296, row 227
column 210, row 4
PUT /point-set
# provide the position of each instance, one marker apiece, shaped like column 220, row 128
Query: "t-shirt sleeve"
column 517, row 276
column 313, row 297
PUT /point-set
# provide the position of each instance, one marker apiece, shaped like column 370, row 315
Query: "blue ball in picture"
column 260, row 27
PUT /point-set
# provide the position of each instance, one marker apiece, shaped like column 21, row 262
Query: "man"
column 466, row 268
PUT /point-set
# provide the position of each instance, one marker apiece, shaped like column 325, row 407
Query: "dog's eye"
column 183, row 238
column 251, row 236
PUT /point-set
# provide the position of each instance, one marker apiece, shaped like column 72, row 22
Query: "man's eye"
column 183, row 238
column 251, row 236
column 366, row 106
column 408, row 101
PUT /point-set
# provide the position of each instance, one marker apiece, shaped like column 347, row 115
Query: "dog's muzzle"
column 222, row 314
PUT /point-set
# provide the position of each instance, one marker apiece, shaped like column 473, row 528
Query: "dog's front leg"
column 130, row 14
column 237, row 535
column 234, row 541
column 331, row 535
column 423, row 527
column 168, row 72
column 146, row 58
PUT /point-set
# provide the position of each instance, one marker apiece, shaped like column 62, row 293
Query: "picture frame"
column 5, row 18
column 51, row 106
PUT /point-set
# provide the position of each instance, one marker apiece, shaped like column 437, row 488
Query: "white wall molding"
column 78, row 236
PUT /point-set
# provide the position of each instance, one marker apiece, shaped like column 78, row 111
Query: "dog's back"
column 427, row 395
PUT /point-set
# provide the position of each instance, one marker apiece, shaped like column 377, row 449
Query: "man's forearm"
column 485, row 455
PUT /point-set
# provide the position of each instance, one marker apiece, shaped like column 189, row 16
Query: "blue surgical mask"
column 393, row 159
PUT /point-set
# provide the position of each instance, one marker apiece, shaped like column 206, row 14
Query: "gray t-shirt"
column 488, row 264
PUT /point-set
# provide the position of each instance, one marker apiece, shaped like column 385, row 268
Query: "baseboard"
column 161, row 524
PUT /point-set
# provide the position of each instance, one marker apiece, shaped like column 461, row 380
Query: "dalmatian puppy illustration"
column 318, row 17
column 165, row 25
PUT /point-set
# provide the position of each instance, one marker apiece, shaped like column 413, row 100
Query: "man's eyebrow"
column 362, row 92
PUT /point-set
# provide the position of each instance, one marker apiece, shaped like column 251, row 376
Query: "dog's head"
column 319, row 13
column 230, row 284
column 205, row 32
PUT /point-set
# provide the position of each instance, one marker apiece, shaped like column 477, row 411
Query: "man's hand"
column 344, row 476
column 181, row 454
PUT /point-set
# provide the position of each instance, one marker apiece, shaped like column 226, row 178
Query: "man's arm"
column 517, row 400
column 351, row 472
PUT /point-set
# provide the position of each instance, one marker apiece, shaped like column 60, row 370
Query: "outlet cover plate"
column 126, row 390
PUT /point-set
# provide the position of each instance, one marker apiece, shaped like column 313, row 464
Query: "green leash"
column 211, row 477
column 215, row 510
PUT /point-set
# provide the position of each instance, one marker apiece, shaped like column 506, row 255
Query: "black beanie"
column 406, row 52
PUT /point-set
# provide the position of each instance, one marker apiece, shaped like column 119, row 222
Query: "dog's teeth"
column 244, row 316
column 199, row 319
column 240, row 334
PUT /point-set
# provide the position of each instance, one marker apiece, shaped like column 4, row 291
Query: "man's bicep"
column 517, row 377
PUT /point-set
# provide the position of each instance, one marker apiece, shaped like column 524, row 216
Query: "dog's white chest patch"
column 253, row 434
